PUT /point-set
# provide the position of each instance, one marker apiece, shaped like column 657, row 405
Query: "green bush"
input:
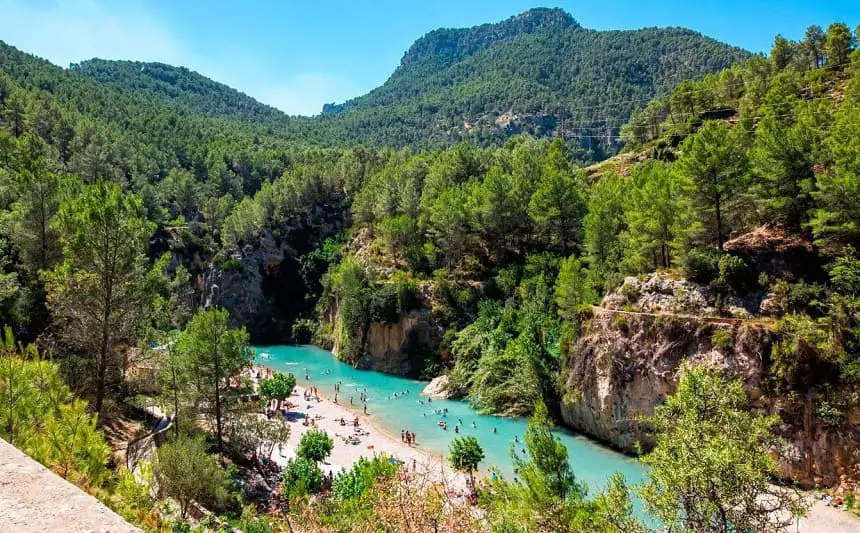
column 829, row 414
column 231, row 265
column 303, row 330
column 721, row 338
column 397, row 232
column 392, row 300
column 734, row 273
column 354, row 483
column 416, row 258
column 702, row 265
column 315, row 445
column 805, row 297
column 631, row 292
column 301, row 477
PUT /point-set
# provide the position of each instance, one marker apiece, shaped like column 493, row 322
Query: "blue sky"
column 297, row 55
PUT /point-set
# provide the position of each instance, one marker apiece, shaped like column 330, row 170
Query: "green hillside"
column 539, row 73
column 178, row 85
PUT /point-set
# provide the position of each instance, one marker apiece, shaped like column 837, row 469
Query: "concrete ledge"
column 34, row 499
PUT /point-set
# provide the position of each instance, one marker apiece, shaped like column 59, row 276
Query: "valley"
column 627, row 260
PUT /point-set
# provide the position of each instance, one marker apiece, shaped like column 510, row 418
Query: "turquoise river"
column 591, row 462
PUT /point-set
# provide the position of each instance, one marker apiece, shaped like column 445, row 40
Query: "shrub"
column 416, row 258
column 721, row 338
column 231, row 265
column 631, row 292
column 702, row 265
column 397, row 232
column 829, row 414
column 301, row 477
column 303, row 330
column 392, row 300
column 805, row 297
column 315, row 445
column 353, row 483
column 187, row 472
column 734, row 273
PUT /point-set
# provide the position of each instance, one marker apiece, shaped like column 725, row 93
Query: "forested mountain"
column 179, row 85
column 539, row 72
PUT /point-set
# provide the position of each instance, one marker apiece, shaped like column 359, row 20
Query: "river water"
column 591, row 462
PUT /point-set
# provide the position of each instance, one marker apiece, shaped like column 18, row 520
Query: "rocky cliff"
column 238, row 285
column 627, row 361
column 398, row 348
column 265, row 284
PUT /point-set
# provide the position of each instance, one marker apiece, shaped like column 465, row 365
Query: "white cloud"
column 69, row 32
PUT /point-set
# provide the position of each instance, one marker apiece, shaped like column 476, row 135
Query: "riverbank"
column 372, row 440
column 387, row 414
column 433, row 467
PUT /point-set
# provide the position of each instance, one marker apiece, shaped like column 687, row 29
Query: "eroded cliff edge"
column 628, row 357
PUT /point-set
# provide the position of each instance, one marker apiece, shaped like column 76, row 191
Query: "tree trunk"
column 104, row 349
column 217, row 362
column 175, row 397
column 719, row 216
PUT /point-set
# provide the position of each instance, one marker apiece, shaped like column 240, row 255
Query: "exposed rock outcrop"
column 437, row 388
column 627, row 362
column 396, row 348
column 262, row 284
column 238, row 285
column 774, row 251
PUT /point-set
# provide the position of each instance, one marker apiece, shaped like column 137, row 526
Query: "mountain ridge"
column 539, row 72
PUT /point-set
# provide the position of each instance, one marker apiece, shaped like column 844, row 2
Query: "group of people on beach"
column 407, row 437
column 311, row 393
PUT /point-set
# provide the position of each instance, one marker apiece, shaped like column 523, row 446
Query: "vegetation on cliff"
column 122, row 198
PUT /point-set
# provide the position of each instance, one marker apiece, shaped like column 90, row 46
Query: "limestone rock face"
column 624, row 365
column 240, row 289
column 397, row 348
column 437, row 388
column 627, row 361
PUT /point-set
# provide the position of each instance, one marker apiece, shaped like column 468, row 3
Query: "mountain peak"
column 447, row 45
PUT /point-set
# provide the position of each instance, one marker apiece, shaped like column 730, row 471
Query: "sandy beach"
column 373, row 440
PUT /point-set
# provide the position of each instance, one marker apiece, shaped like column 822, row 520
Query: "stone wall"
column 34, row 499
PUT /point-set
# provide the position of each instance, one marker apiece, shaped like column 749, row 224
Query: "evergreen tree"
column 837, row 45
column 714, row 163
column 813, row 41
column 465, row 454
column 781, row 53
column 95, row 293
column 710, row 469
column 604, row 228
column 657, row 218
column 38, row 190
column 213, row 353
column 557, row 206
